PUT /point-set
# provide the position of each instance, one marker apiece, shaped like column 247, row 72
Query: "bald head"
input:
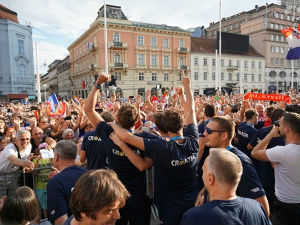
column 37, row 135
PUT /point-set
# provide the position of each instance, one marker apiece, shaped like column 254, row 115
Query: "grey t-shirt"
column 286, row 161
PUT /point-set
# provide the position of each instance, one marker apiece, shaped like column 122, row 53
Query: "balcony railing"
column 182, row 50
column 232, row 67
column 114, row 44
column 183, row 67
column 118, row 64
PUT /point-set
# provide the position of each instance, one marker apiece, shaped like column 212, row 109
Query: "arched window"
column 181, row 43
column 116, row 37
column 181, row 61
column 117, row 58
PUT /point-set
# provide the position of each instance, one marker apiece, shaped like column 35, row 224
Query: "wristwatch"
column 98, row 86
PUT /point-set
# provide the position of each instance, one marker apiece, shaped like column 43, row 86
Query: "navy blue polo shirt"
column 201, row 129
column 250, row 185
column 265, row 170
column 239, row 211
column 245, row 133
column 131, row 177
column 96, row 152
column 59, row 189
column 175, row 184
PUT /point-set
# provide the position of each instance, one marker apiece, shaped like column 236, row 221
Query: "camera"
column 276, row 123
column 74, row 113
column 68, row 118
column 293, row 108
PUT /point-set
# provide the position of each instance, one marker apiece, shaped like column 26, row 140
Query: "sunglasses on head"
column 209, row 131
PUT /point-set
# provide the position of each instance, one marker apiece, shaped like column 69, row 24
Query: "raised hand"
column 102, row 78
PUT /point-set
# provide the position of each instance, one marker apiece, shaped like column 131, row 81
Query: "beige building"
column 238, row 70
column 140, row 55
column 64, row 78
column 263, row 25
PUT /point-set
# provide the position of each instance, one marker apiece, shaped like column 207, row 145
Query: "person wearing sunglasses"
column 219, row 134
column 15, row 155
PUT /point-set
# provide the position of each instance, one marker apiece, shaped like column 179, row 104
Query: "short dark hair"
column 173, row 120
column 95, row 190
column 269, row 111
column 225, row 124
column 292, row 120
column 20, row 208
column 250, row 113
column 276, row 114
column 159, row 122
column 209, row 110
column 127, row 116
column 107, row 116
column 66, row 149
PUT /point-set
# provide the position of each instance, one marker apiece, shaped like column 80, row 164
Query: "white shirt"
column 287, row 172
column 5, row 164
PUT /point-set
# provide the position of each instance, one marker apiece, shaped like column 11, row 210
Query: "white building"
column 238, row 70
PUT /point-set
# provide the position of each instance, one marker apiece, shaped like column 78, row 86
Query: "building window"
column 181, row 61
column 281, row 61
column 153, row 60
column 140, row 40
column 277, row 49
column 272, row 61
column 117, row 58
column 196, row 61
column 222, row 63
column 282, row 50
column 222, row 76
column 166, row 77
column 166, row 61
column 272, row 25
column 153, row 42
column 117, row 75
column 259, row 65
column 253, row 65
column 166, row 43
column 277, row 37
column 259, row 77
column 272, row 37
column 229, row 62
column 245, row 77
column 213, row 62
column 282, row 38
column 230, row 77
column 273, row 49
column 277, row 61
column 141, row 76
column 140, row 59
column 196, row 76
column 276, row 26
column 288, row 17
column 21, row 47
column 213, row 76
column 117, row 37
column 246, row 64
column 154, row 77
column 205, row 76
column 252, row 77
column 22, row 70
column 179, row 77
column 236, row 25
column 205, row 61
column 181, row 43
column 238, row 63
column 238, row 77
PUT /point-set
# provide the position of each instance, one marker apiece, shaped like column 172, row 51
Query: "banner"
column 267, row 97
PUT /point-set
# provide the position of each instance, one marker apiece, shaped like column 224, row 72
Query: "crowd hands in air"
column 209, row 154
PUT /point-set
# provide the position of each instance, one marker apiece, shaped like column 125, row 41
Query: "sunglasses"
column 209, row 131
column 25, row 139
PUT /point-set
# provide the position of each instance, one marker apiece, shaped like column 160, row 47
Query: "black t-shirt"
column 240, row 211
column 96, row 151
column 175, row 185
column 131, row 177
column 34, row 146
column 245, row 134
column 265, row 170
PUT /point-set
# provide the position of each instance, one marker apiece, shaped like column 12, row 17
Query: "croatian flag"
column 53, row 102
column 293, row 38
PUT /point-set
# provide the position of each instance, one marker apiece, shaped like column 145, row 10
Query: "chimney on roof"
column 256, row 8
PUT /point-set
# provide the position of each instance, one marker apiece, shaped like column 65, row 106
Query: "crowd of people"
column 216, row 159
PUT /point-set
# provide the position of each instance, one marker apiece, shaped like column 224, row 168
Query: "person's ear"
column 211, row 179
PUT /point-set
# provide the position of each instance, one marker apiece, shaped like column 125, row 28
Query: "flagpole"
column 294, row 12
column 220, row 46
column 37, row 74
column 105, row 40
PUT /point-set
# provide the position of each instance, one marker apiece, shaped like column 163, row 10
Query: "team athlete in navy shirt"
column 174, row 161
column 246, row 132
column 221, row 173
column 137, row 208
column 218, row 134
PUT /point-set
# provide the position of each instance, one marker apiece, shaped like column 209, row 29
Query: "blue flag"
column 53, row 102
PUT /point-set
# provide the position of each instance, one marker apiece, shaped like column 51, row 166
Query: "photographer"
column 286, row 165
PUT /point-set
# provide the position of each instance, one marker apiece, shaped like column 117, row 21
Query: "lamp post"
column 220, row 43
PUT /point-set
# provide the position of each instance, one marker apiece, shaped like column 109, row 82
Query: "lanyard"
column 176, row 138
column 249, row 124
column 131, row 131
column 229, row 147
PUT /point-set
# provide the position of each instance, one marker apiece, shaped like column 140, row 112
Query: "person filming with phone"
column 286, row 166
